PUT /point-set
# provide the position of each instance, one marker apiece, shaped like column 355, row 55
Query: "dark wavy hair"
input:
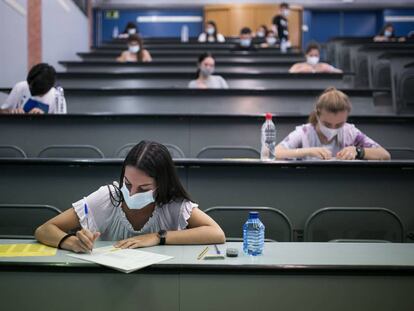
column 41, row 78
column 201, row 58
column 137, row 38
column 155, row 160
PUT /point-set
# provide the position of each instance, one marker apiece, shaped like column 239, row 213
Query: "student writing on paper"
column 149, row 206
column 136, row 51
column 36, row 95
column 329, row 135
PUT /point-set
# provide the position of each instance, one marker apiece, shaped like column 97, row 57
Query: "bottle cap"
column 268, row 116
column 253, row 214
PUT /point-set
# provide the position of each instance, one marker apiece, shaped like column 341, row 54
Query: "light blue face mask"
column 245, row 42
column 137, row 200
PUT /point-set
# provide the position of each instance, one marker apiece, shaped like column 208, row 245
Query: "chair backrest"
column 231, row 219
column 406, row 87
column 10, row 151
column 71, row 151
column 19, row 221
column 356, row 223
column 175, row 151
column 222, row 152
column 401, row 153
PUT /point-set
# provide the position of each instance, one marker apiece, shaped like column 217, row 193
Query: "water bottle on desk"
column 268, row 139
column 184, row 33
column 115, row 32
column 283, row 45
column 253, row 235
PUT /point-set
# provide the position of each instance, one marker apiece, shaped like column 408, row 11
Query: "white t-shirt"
column 203, row 37
column 20, row 94
column 111, row 221
column 212, row 82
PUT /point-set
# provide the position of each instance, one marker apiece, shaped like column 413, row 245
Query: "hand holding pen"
column 86, row 236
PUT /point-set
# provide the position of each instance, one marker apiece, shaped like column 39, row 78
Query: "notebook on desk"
column 124, row 260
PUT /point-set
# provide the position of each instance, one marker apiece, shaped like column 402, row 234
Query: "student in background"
column 280, row 24
column 136, row 51
column 211, row 34
column 313, row 64
column 270, row 40
column 36, row 95
column 246, row 42
column 130, row 29
column 328, row 134
column 261, row 31
column 387, row 34
column 205, row 78
column 149, row 206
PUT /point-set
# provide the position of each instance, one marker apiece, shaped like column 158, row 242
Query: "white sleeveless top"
column 113, row 224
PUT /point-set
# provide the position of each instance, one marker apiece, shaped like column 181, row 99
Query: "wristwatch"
column 162, row 234
column 360, row 153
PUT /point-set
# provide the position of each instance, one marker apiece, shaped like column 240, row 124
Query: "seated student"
column 387, row 34
column 205, row 78
column 130, row 29
column 211, row 34
column 148, row 207
column 246, row 43
column 36, row 95
column 328, row 135
column 270, row 40
column 136, row 51
column 261, row 31
column 312, row 64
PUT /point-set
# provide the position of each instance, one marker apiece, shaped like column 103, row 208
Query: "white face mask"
column 132, row 31
column 260, row 34
column 206, row 72
column 210, row 31
column 387, row 33
column 245, row 42
column 285, row 12
column 134, row 48
column 327, row 132
column 271, row 40
column 137, row 200
column 312, row 60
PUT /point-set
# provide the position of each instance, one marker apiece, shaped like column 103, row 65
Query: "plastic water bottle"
column 184, row 33
column 268, row 139
column 115, row 32
column 253, row 235
column 283, row 45
column 60, row 100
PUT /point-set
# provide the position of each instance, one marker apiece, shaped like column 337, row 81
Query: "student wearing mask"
column 313, row 64
column 261, row 31
column 36, row 95
column 246, row 42
column 280, row 24
column 136, row 51
column 387, row 34
column 149, row 206
column 328, row 135
column 205, row 78
column 211, row 34
column 130, row 29
column 270, row 40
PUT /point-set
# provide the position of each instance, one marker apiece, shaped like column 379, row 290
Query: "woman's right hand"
column 319, row 152
column 82, row 242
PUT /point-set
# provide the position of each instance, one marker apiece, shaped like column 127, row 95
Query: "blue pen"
column 85, row 206
column 217, row 249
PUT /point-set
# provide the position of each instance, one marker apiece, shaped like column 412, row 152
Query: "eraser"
column 232, row 252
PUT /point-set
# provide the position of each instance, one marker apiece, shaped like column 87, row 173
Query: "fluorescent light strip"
column 399, row 19
column 16, row 6
column 169, row 19
column 64, row 5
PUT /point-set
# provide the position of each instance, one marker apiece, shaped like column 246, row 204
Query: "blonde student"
column 328, row 135
column 149, row 206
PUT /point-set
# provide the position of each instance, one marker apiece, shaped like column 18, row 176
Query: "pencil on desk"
column 202, row 253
